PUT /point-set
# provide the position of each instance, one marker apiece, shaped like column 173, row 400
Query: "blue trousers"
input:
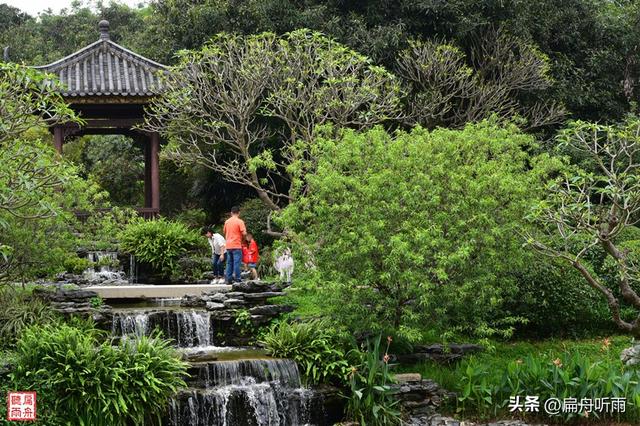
column 218, row 266
column 234, row 261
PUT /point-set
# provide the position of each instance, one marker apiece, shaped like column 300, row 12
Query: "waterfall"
column 104, row 261
column 257, row 392
column 226, row 386
column 186, row 328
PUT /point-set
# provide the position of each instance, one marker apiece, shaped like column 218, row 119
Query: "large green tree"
column 415, row 230
column 248, row 107
column 38, row 190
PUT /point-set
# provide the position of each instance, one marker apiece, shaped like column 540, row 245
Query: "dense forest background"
column 591, row 45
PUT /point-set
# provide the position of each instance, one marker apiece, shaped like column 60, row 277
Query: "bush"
column 101, row 229
column 255, row 214
column 313, row 346
column 193, row 218
column 19, row 311
column 486, row 392
column 159, row 243
column 77, row 265
column 82, row 381
column 416, row 230
column 554, row 300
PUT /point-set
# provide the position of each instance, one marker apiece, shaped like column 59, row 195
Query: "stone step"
column 156, row 291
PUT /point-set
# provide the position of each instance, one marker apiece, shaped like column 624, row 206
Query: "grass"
column 500, row 354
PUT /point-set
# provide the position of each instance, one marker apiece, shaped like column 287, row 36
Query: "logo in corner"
column 21, row 406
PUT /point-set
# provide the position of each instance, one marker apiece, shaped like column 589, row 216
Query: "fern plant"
column 159, row 243
column 313, row 346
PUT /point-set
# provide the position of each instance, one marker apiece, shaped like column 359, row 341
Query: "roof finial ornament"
column 104, row 29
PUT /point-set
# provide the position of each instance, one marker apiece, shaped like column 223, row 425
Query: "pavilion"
column 108, row 86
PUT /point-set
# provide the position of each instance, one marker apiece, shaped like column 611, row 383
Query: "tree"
column 25, row 99
column 248, row 107
column 447, row 89
column 38, row 190
column 416, row 230
column 589, row 211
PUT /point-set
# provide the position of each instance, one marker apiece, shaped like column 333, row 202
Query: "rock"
column 270, row 310
column 232, row 303
column 251, row 286
column 235, row 294
column 440, row 420
column 199, row 356
column 437, row 353
column 408, row 377
column 192, row 301
column 262, row 296
column 418, row 396
column 630, row 356
column 218, row 297
column 213, row 306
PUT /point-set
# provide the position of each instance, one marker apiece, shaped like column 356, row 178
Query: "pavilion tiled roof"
column 105, row 68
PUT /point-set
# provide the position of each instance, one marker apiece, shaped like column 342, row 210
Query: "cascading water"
column 256, row 392
column 223, row 388
column 105, row 261
column 186, row 328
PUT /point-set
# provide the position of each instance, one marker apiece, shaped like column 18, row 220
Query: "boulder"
column 262, row 296
column 217, row 297
column 251, row 287
column 270, row 310
column 192, row 301
column 232, row 303
column 214, row 306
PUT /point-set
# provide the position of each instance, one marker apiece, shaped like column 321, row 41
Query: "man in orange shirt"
column 234, row 233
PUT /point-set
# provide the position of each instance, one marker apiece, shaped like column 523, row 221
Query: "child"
column 250, row 255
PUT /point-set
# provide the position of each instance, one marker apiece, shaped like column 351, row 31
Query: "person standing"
column 234, row 233
column 217, row 243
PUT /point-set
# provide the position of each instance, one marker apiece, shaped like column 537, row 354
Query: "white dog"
column 284, row 265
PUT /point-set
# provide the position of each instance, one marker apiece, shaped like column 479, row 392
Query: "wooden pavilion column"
column 58, row 139
column 147, row 172
column 152, row 172
column 154, row 145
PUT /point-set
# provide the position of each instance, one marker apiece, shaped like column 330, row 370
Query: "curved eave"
column 87, row 49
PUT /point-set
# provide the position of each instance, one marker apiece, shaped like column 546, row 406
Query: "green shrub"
column 193, row 218
column 160, row 243
column 554, row 300
column 255, row 214
column 485, row 392
column 101, row 229
column 82, row 381
column 371, row 400
column 313, row 346
column 416, row 230
column 19, row 311
column 76, row 265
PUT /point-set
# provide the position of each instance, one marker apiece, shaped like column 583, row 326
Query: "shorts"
column 251, row 265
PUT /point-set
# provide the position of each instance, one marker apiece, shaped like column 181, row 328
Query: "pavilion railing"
column 145, row 212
